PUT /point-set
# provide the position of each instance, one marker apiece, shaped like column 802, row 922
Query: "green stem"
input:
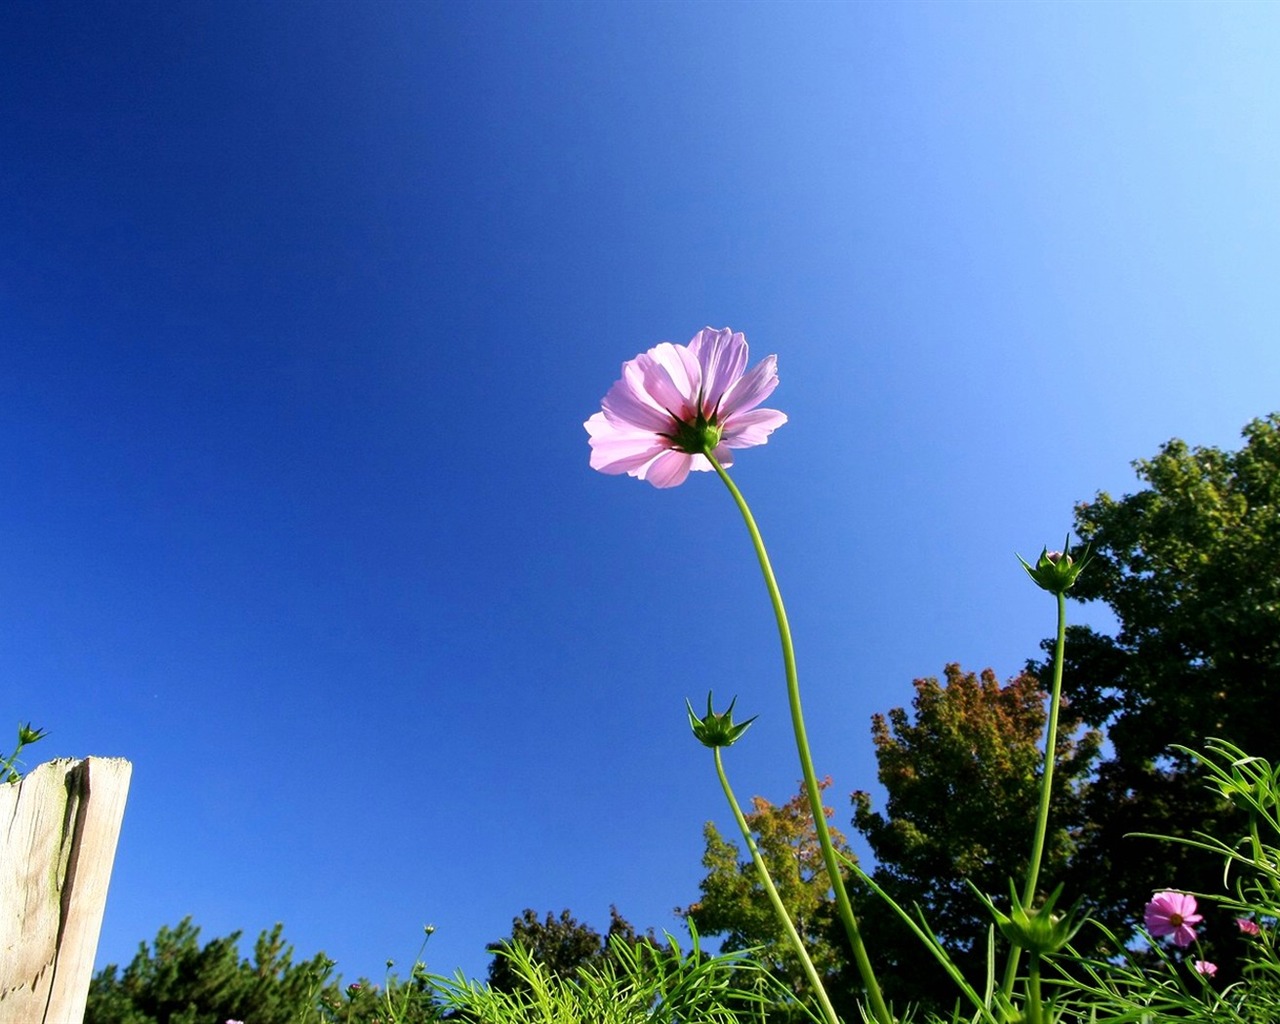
column 1034, row 1008
column 1050, row 757
column 810, row 971
column 1046, row 787
column 843, row 905
column 7, row 771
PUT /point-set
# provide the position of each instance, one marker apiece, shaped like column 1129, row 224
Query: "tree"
column 178, row 981
column 1191, row 568
column 963, row 780
column 734, row 904
column 562, row 945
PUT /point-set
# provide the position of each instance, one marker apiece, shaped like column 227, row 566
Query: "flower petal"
column 748, row 429
column 672, row 378
column 701, row 464
column 668, row 470
column 722, row 355
column 615, row 450
column 627, row 405
column 749, row 391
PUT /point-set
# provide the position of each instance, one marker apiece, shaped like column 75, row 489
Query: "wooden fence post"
column 58, row 830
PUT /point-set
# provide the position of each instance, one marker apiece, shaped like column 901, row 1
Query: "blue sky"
column 303, row 306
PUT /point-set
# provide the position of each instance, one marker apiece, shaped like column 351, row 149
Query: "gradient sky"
column 303, row 306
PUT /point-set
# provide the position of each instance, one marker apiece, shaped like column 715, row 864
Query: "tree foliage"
column 962, row 774
column 178, row 981
column 963, row 783
column 1190, row 566
column 733, row 902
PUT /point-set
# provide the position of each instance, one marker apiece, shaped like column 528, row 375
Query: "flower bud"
column 717, row 730
column 1056, row 571
column 1037, row 929
column 26, row 734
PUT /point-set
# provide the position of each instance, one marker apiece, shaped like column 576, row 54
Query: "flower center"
column 1176, row 920
column 695, row 438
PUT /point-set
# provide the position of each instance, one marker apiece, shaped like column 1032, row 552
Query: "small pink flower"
column 1248, row 926
column 675, row 401
column 1172, row 913
column 1206, row 968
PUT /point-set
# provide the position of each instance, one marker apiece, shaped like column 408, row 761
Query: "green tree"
column 178, row 981
column 962, row 774
column 734, row 905
column 1190, row 566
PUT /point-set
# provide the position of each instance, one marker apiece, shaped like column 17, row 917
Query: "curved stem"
column 811, row 972
column 1046, row 786
column 843, row 905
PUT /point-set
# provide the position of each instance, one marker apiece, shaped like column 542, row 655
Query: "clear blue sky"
column 303, row 306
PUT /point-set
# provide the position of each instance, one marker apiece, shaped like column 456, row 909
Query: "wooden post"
column 58, row 830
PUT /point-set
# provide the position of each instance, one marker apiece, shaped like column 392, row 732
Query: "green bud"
column 26, row 734
column 717, row 730
column 1039, row 930
column 1056, row 571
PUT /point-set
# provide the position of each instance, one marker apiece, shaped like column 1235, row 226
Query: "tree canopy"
column 176, row 980
column 733, row 904
column 1191, row 568
column 962, row 774
column 1190, row 565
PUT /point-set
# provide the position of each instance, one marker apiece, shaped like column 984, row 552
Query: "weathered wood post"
column 58, row 830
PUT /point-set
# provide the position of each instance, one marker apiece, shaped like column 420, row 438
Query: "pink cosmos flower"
column 1172, row 913
column 1248, row 926
column 675, row 401
column 1206, row 968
